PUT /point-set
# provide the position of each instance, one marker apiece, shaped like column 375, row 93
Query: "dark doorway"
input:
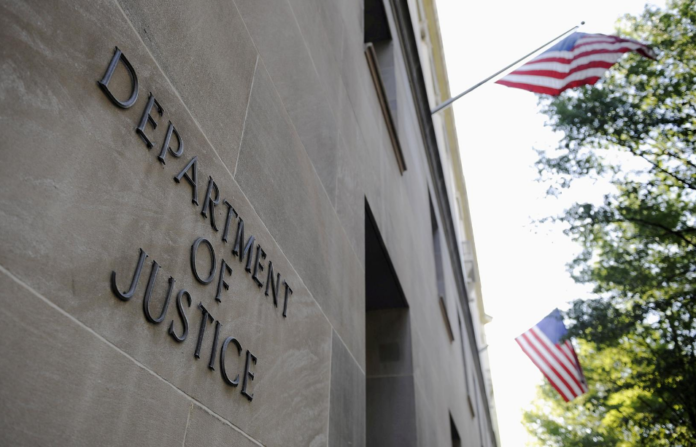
column 391, row 410
column 456, row 440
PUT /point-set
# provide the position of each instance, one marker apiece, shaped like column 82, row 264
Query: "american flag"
column 579, row 59
column 556, row 360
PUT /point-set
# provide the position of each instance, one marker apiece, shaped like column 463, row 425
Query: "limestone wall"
column 275, row 109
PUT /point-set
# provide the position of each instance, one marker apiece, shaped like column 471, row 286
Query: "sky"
column 522, row 266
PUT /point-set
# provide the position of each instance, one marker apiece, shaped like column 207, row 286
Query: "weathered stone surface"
column 80, row 194
column 352, row 12
column 205, row 50
column 281, row 45
column 89, row 194
column 350, row 199
column 205, row 429
column 322, row 28
column 360, row 90
column 347, row 414
column 64, row 386
column 426, row 421
column 399, row 233
column 278, row 179
column 363, row 161
column 391, row 412
column 347, row 124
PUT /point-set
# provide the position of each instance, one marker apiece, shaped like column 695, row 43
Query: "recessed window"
column 437, row 253
column 390, row 403
column 467, row 385
column 380, row 54
column 456, row 439
column 439, row 271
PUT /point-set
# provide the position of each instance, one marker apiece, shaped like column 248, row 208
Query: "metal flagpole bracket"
column 449, row 102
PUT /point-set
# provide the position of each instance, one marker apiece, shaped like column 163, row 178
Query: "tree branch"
column 660, row 168
column 662, row 227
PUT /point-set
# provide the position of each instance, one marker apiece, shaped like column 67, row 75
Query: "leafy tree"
column 614, row 412
column 638, row 129
column 588, row 421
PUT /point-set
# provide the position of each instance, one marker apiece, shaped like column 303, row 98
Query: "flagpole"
column 449, row 102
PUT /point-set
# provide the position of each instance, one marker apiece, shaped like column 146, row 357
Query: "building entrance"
column 391, row 411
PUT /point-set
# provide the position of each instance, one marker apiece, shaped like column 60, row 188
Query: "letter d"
column 104, row 83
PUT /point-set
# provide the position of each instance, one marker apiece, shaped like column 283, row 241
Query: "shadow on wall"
column 391, row 409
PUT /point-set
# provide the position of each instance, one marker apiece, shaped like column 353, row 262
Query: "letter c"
column 223, row 371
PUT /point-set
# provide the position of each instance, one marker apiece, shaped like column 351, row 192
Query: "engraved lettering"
column 288, row 292
column 194, row 268
column 147, row 118
column 230, row 211
column 192, row 179
column 248, row 374
column 223, row 369
column 260, row 256
column 125, row 296
column 213, row 351
column 165, row 146
column 148, row 296
column 182, row 315
column 239, row 240
column 224, row 268
column 104, row 82
column 209, row 203
column 273, row 284
column 201, row 330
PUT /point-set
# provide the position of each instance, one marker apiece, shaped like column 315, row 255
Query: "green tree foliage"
column 637, row 128
column 618, row 410
column 589, row 421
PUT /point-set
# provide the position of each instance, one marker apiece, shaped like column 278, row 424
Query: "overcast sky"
column 522, row 267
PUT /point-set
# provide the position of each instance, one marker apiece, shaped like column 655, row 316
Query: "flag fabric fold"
column 556, row 360
column 579, row 59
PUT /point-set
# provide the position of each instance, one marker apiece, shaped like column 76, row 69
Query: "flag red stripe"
column 563, row 75
column 600, row 38
column 597, row 53
column 569, row 352
column 550, row 362
column 615, row 39
column 549, row 90
column 555, row 371
column 582, row 374
column 553, row 354
column 564, row 60
column 594, row 42
column 551, row 381
column 565, row 353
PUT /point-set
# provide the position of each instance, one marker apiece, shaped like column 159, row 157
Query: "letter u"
column 148, row 296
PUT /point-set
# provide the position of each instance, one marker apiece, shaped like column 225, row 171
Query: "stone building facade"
column 233, row 222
